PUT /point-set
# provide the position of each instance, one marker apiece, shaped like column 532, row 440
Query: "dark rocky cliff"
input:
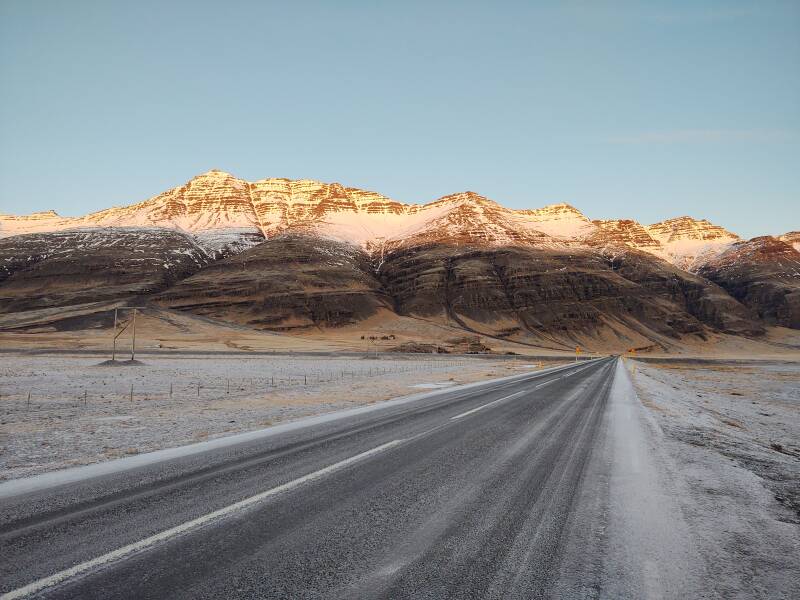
column 764, row 274
column 555, row 296
column 65, row 268
column 288, row 282
column 558, row 293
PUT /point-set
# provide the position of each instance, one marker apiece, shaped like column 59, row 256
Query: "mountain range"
column 288, row 255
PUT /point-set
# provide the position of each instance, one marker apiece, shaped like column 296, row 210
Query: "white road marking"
column 571, row 373
column 141, row 545
column 45, row 481
column 469, row 412
column 62, row 576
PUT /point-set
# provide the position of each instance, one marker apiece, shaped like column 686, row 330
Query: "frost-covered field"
column 734, row 431
column 79, row 412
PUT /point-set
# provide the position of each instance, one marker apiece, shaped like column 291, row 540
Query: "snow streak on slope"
column 38, row 222
column 558, row 220
column 153, row 246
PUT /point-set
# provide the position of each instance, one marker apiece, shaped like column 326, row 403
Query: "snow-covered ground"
column 81, row 413
column 731, row 431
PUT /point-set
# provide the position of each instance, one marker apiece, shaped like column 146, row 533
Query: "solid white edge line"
column 469, row 412
column 53, row 479
column 66, row 574
column 104, row 559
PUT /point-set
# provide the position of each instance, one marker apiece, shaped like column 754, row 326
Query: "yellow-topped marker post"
column 577, row 351
column 632, row 353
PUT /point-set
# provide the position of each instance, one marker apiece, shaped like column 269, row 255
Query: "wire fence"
column 127, row 385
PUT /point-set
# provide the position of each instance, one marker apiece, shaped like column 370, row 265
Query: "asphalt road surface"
column 516, row 488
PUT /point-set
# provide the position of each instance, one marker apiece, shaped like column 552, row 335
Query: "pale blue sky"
column 625, row 109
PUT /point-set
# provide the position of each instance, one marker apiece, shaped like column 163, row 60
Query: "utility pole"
column 114, row 346
column 118, row 331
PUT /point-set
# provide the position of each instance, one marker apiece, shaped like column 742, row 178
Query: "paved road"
column 495, row 491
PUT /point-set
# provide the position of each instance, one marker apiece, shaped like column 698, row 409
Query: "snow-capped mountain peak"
column 224, row 213
column 559, row 220
column 688, row 228
column 629, row 233
column 793, row 238
column 688, row 241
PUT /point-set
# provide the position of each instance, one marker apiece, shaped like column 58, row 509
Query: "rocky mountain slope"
column 686, row 240
column 550, row 297
column 288, row 282
column 763, row 274
column 625, row 232
column 290, row 255
column 793, row 238
column 559, row 297
column 39, row 271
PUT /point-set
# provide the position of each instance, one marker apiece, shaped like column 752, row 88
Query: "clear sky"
column 644, row 110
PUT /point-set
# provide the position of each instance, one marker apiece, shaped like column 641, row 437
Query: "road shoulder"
column 749, row 542
column 628, row 537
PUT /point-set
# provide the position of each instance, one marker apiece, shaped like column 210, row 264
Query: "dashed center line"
column 469, row 412
column 114, row 555
column 474, row 410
